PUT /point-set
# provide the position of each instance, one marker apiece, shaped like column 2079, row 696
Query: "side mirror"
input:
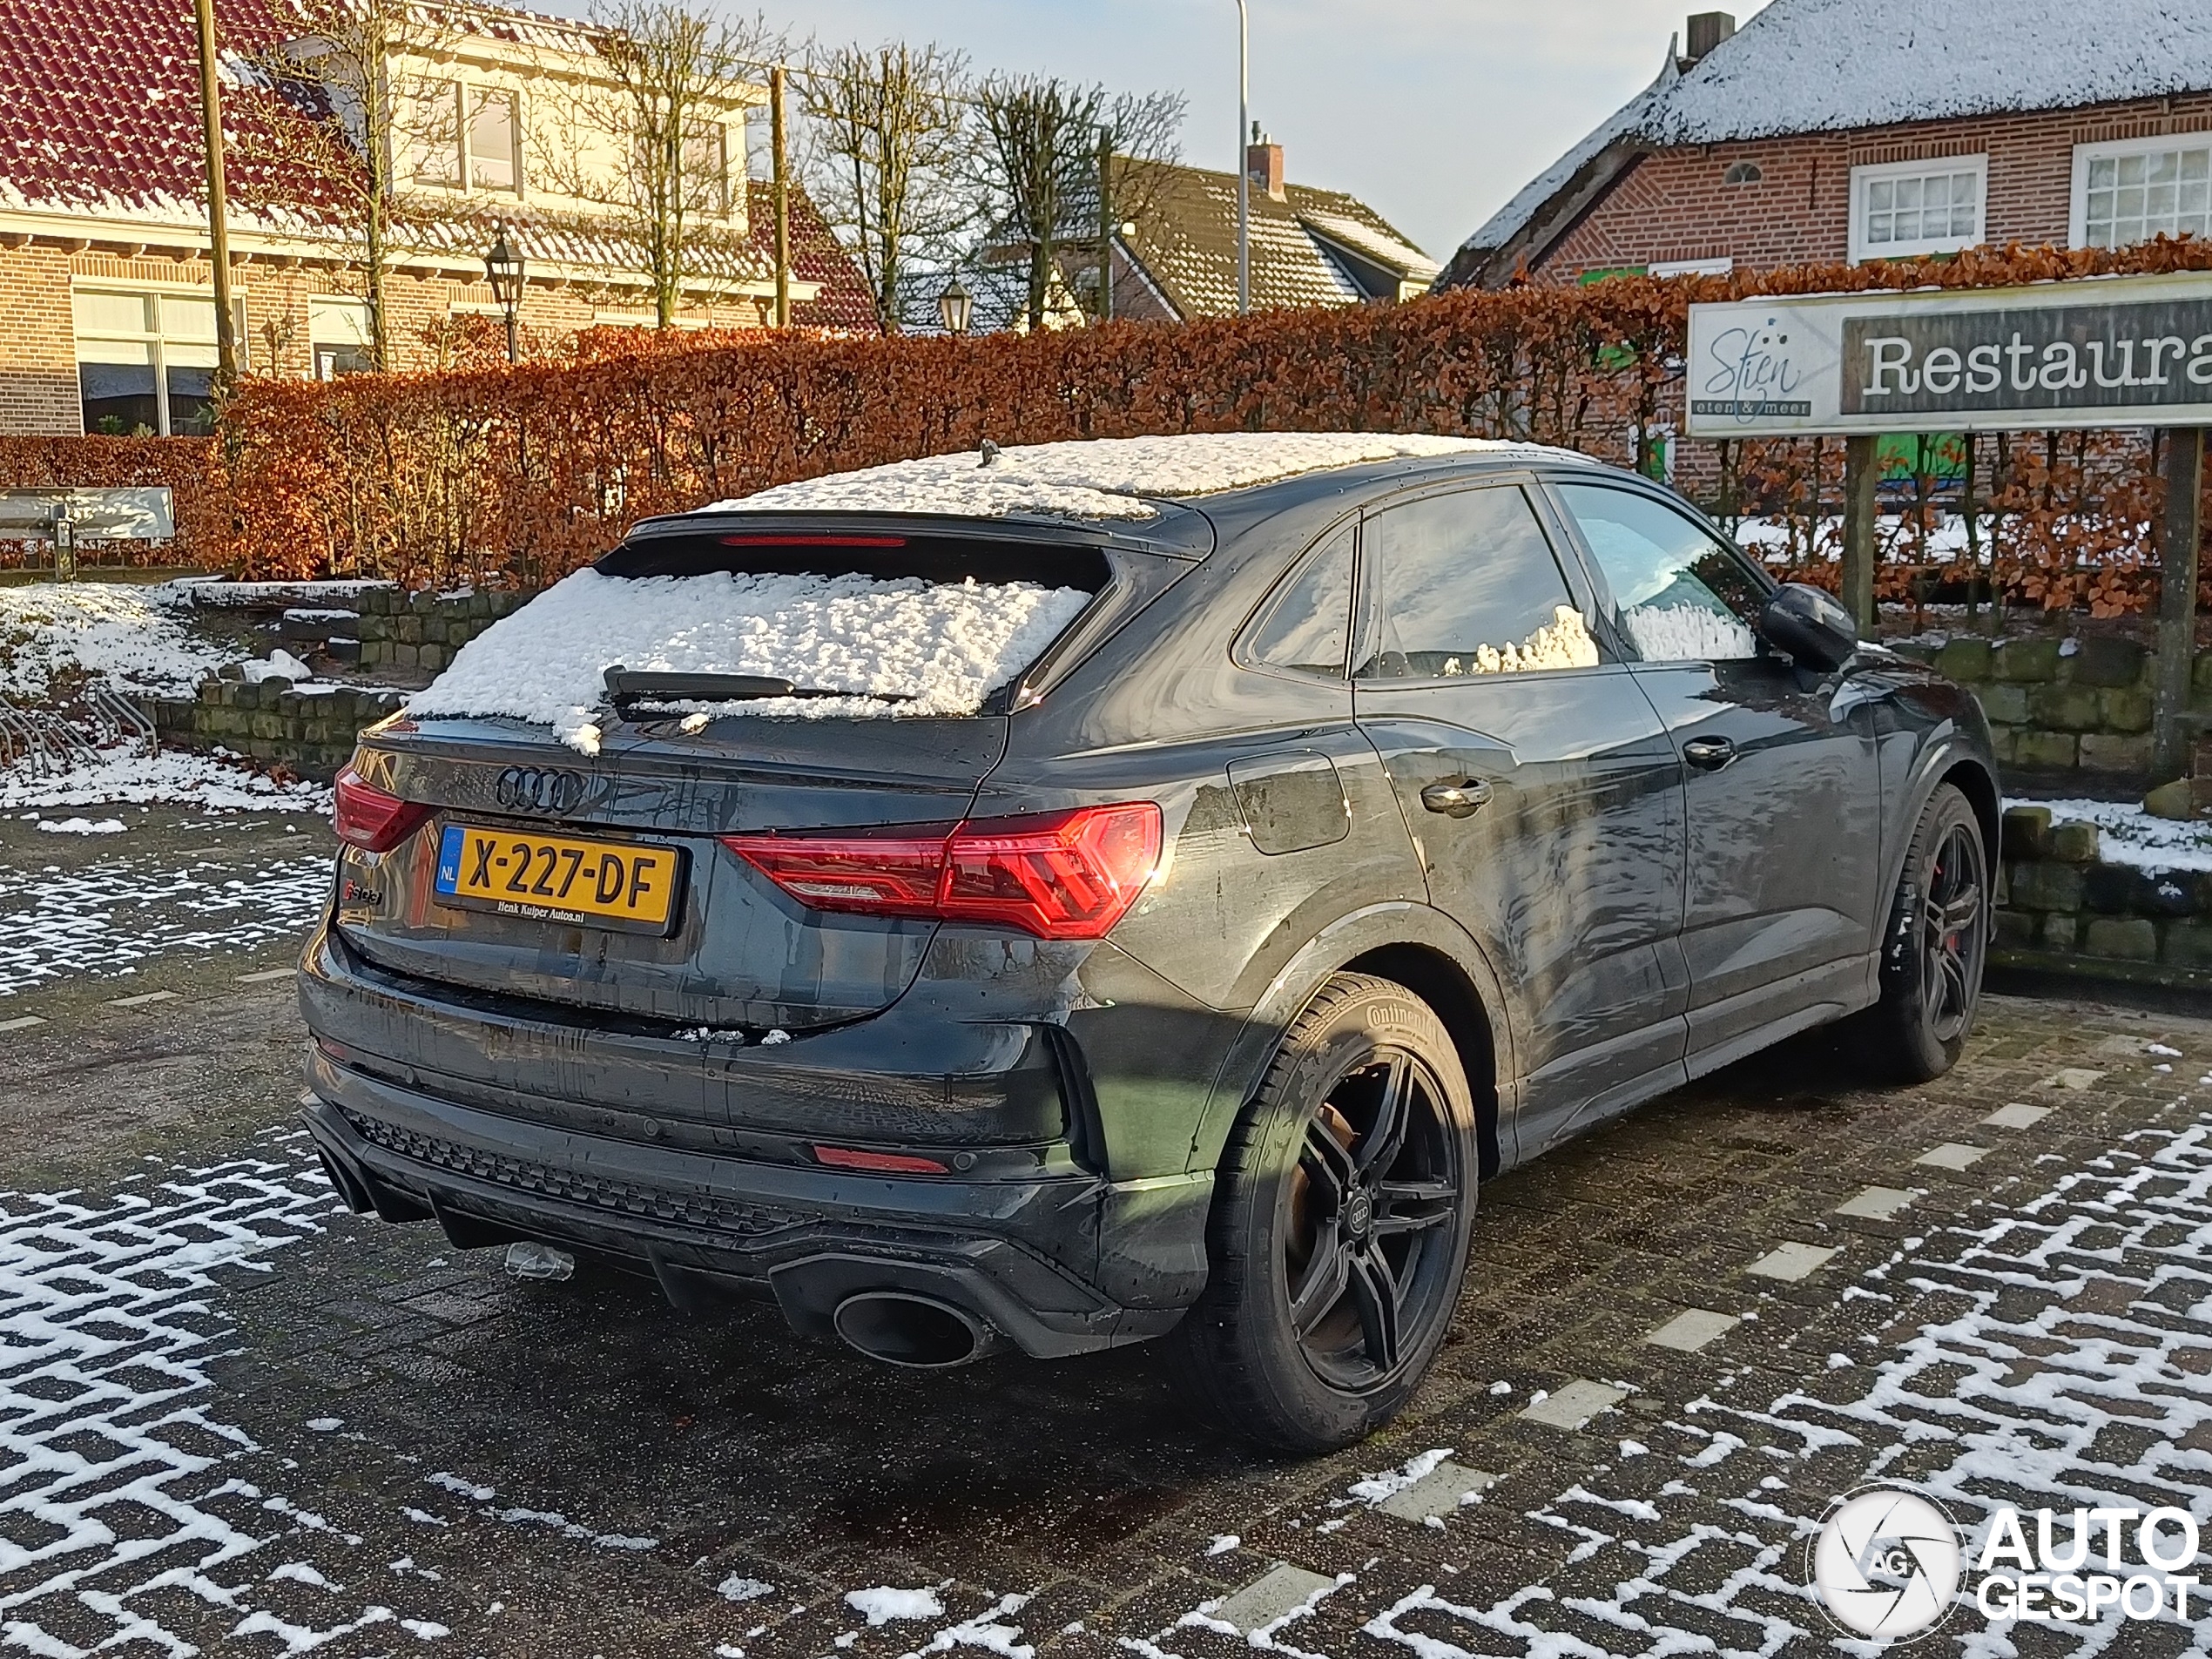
column 1811, row 624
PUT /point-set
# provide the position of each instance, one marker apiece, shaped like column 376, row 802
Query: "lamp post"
column 1243, row 162
column 503, row 270
column 955, row 309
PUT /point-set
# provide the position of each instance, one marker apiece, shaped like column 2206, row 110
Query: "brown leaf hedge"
column 514, row 475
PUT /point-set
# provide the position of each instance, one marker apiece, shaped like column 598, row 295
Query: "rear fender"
column 1375, row 928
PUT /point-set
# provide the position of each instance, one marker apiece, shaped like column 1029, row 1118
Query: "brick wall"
column 38, row 345
column 39, row 394
column 1674, row 205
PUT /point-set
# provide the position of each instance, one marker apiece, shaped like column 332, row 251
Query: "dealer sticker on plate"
column 554, row 877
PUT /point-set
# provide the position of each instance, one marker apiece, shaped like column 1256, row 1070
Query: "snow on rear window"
column 1102, row 478
column 942, row 646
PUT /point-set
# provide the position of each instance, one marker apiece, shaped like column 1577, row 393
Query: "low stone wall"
column 2052, row 711
column 422, row 631
column 312, row 733
column 2064, row 909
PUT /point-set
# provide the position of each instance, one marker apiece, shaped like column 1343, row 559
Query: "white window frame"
column 1720, row 265
column 156, row 341
column 2077, row 219
column 1861, row 177
column 474, row 93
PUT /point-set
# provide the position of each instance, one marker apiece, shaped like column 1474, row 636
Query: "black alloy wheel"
column 1371, row 1204
column 1934, row 947
column 1954, row 938
column 1340, row 1224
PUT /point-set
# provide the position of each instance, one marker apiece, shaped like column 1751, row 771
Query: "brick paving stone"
column 2038, row 1328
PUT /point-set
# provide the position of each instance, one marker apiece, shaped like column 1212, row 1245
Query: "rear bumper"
column 707, row 1227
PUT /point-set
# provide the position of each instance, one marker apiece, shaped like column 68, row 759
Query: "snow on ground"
column 119, row 1472
column 2130, row 835
column 104, row 918
column 127, row 776
column 942, row 646
column 126, row 633
column 2052, row 1353
column 1099, row 477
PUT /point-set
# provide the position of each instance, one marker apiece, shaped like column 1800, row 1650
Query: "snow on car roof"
column 1103, row 477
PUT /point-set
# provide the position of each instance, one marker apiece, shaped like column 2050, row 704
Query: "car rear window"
column 858, row 626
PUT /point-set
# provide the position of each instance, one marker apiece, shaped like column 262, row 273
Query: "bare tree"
column 656, row 151
column 1038, row 166
column 888, row 143
column 348, row 100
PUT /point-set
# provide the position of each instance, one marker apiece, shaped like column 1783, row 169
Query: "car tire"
column 1934, row 946
column 1338, row 1234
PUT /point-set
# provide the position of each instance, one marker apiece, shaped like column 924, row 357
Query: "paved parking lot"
column 233, row 1418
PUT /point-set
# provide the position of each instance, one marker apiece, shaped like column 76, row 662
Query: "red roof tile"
column 100, row 114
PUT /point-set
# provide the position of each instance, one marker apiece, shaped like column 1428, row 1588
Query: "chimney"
column 1707, row 30
column 1263, row 163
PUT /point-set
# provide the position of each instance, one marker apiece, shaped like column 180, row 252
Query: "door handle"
column 1708, row 754
column 1457, row 801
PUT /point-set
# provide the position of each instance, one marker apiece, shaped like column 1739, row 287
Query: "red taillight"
column 371, row 818
column 850, row 1158
column 1058, row 875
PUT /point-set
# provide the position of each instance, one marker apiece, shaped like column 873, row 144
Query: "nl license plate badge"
column 627, row 886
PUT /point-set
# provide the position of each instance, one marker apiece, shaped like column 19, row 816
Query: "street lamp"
column 503, row 270
column 954, row 308
column 1243, row 162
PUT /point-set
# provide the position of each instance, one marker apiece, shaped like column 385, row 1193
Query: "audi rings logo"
column 539, row 789
column 1886, row 1564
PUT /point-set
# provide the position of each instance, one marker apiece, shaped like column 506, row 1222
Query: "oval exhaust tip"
column 917, row 1331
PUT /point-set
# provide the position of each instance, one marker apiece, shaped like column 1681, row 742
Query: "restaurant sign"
column 2122, row 351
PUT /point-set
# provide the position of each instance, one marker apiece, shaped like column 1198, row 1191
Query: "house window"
column 1910, row 207
column 2131, row 193
column 467, row 138
column 339, row 338
column 146, row 362
column 706, row 168
column 1743, row 173
column 437, row 135
column 495, row 161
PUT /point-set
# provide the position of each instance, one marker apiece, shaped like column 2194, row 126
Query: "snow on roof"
column 1823, row 65
column 938, row 648
column 1394, row 252
column 1828, row 65
column 1100, row 477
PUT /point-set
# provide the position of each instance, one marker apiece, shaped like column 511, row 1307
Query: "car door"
column 1781, row 785
column 1541, row 793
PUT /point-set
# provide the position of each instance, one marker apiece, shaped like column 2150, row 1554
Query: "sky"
column 1434, row 111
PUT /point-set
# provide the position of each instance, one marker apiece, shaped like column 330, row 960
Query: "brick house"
column 106, row 316
column 1832, row 130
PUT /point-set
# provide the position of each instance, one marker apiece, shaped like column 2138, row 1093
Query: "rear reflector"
column 1058, row 875
column 371, row 818
column 846, row 1157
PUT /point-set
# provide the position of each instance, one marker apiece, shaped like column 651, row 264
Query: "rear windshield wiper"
column 628, row 688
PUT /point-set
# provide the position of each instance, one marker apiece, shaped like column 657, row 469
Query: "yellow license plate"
column 623, row 885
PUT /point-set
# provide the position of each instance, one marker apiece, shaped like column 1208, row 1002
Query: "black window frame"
column 1242, row 649
column 1608, row 606
column 1568, row 557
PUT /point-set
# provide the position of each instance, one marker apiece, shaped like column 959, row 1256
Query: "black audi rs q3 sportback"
column 1340, row 840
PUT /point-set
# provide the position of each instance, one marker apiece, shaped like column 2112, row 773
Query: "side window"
column 1466, row 584
column 1682, row 596
column 1307, row 625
